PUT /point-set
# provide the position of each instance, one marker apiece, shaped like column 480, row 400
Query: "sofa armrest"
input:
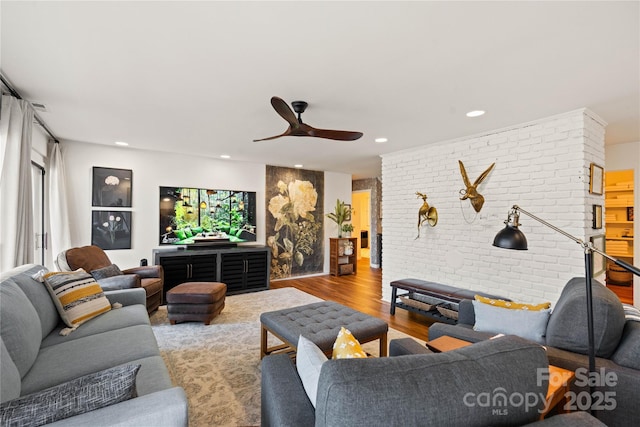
column 127, row 296
column 284, row 401
column 466, row 313
column 146, row 272
column 123, row 281
column 406, row 346
column 163, row 408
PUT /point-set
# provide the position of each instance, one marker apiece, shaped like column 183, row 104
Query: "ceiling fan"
column 297, row 128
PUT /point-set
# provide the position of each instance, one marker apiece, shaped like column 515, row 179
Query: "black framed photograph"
column 598, row 262
column 348, row 216
column 596, row 179
column 111, row 229
column 597, row 217
column 111, row 187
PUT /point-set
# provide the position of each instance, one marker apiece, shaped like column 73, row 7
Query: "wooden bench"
column 431, row 299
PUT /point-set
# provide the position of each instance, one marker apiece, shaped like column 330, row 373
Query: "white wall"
column 336, row 186
column 152, row 170
column 623, row 157
column 543, row 166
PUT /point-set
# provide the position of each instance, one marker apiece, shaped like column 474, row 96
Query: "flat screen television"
column 203, row 217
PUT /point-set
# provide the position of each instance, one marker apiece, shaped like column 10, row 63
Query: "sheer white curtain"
column 58, row 208
column 16, row 212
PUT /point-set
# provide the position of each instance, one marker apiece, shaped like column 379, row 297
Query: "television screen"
column 198, row 216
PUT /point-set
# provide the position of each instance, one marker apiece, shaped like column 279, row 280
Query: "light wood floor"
column 362, row 292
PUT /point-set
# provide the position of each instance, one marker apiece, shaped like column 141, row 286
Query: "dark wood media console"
column 242, row 268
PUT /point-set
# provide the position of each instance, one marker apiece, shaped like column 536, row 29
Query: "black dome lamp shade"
column 510, row 237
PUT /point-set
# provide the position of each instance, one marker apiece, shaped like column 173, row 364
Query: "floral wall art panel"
column 294, row 221
column 111, row 229
column 111, row 187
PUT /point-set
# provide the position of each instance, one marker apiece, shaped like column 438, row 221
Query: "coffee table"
column 320, row 323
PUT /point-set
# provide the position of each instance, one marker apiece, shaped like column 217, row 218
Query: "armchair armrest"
column 124, row 281
column 149, row 271
column 127, row 296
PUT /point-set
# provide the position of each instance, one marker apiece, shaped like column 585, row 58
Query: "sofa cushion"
column 524, row 323
column 9, row 375
column 87, row 257
column 77, row 296
column 434, row 389
column 63, row 362
column 110, row 321
column 75, row 397
column 39, row 297
column 19, row 326
column 309, row 360
column 628, row 352
column 567, row 327
column 104, row 272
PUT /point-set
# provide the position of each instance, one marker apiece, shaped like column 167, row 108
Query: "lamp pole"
column 513, row 238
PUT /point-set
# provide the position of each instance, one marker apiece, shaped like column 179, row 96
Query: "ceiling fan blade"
column 338, row 135
column 287, row 132
column 283, row 109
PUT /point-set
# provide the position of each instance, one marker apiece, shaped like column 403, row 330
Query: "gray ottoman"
column 320, row 323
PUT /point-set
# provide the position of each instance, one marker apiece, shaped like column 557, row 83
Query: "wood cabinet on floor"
column 242, row 269
column 340, row 262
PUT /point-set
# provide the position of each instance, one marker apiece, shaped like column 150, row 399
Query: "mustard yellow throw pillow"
column 513, row 305
column 347, row 346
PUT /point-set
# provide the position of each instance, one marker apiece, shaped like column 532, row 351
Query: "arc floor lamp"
column 511, row 237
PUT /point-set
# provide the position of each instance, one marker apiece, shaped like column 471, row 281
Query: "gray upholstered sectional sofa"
column 443, row 389
column 617, row 343
column 35, row 356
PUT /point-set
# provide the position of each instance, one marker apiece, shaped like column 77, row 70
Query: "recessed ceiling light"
column 225, row 156
column 475, row 113
column 124, row 144
column 298, row 166
column 381, row 140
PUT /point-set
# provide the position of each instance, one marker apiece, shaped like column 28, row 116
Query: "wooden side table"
column 446, row 343
column 559, row 382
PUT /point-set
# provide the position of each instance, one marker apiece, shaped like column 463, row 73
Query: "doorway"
column 361, row 220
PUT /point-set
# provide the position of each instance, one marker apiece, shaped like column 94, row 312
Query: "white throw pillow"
column 309, row 360
column 528, row 324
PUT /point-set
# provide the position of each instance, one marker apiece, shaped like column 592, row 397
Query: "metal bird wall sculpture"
column 426, row 213
column 471, row 192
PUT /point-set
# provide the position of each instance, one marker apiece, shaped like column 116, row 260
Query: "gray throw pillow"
column 528, row 324
column 84, row 394
column 104, row 272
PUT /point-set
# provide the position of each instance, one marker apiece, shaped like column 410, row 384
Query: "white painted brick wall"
column 542, row 166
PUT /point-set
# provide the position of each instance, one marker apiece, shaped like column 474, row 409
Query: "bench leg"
column 394, row 294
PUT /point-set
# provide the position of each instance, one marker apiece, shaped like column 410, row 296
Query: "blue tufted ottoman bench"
column 319, row 322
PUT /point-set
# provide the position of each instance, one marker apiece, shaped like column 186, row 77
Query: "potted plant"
column 347, row 229
column 341, row 213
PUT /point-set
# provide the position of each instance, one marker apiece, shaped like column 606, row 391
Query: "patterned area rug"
column 219, row 365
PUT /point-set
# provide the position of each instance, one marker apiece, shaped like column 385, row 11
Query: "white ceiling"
column 197, row 77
